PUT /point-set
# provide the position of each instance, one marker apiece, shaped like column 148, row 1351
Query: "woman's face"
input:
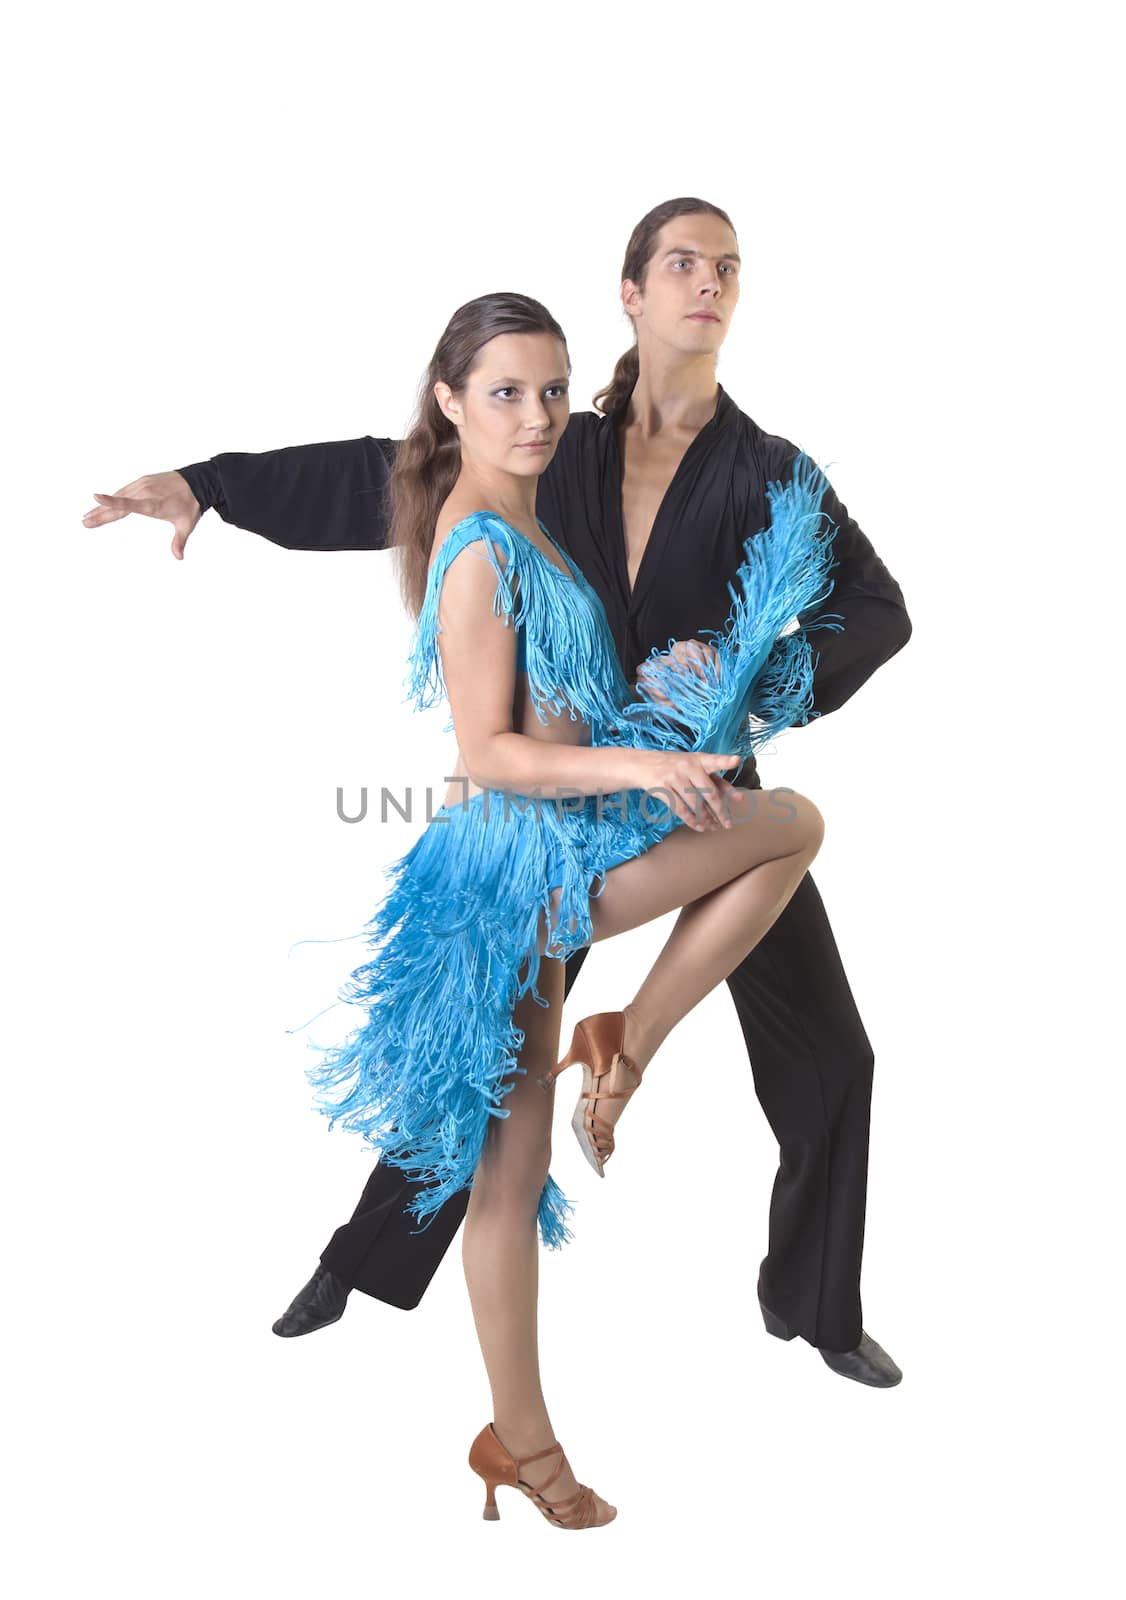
column 691, row 286
column 512, row 412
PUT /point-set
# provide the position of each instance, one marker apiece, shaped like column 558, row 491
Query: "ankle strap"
column 522, row 1461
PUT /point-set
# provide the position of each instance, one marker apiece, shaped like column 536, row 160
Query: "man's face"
column 515, row 406
column 691, row 286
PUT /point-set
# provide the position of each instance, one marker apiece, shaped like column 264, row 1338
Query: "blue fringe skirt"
column 455, row 946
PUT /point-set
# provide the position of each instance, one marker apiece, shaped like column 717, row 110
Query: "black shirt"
column 333, row 496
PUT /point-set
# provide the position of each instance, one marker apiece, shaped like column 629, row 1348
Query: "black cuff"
column 203, row 480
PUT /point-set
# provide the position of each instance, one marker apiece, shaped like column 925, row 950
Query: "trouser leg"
column 812, row 1066
column 384, row 1251
column 378, row 1249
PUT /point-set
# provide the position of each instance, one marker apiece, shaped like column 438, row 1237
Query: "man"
column 652, row 499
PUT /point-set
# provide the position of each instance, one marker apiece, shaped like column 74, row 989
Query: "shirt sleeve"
column 866, row 598
column 330, row 496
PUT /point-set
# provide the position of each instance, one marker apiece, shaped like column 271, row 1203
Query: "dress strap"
column 424, row 681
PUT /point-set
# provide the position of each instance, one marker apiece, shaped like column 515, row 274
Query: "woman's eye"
column 557, row 390
column 502, row 394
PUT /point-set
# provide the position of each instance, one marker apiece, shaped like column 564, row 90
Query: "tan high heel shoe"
column 491, row 1461
column 597, row 1044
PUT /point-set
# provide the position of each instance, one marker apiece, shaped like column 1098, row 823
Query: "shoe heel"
column 774, row 1324
column 494, row 1466
column 574, row 1054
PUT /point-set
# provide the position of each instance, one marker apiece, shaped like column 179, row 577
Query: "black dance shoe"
column 319, row 1303
column 869, row 1363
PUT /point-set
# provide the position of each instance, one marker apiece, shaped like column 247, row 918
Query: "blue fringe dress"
column 456, row 938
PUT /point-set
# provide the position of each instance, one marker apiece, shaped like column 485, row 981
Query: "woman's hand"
column 164, row 495
column 684, row 779
column 689, row 652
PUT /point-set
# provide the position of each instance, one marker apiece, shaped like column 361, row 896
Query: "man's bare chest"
column 648, row 469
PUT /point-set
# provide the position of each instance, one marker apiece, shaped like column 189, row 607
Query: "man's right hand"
column 685, row 652
column 164, row 495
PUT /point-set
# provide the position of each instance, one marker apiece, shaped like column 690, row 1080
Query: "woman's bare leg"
column 737, row 881
column 732, row 884
column 500, row 1242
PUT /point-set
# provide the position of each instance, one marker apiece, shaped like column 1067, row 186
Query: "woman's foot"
column 613, row 1049
column 620, row 1080
column 562, row 1485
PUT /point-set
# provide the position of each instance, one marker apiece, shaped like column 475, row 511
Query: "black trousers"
column 812, row 1066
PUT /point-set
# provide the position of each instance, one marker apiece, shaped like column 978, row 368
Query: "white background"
column 245, row 226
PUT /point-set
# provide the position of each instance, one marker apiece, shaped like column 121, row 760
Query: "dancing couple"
column 550, row 567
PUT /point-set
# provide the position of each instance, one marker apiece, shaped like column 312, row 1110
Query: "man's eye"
column 728, row 267
column 683, row 262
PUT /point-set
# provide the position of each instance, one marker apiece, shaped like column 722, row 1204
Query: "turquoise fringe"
column 455, row 939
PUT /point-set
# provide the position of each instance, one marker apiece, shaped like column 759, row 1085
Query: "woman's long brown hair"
column 429, row 458
column 639, row 253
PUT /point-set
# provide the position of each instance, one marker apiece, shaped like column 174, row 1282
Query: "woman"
column 566, row 777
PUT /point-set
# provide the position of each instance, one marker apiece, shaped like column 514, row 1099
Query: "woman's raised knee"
column 802, row 825
column 812, row 823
